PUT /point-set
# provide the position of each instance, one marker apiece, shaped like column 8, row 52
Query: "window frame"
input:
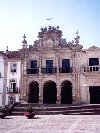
column 13, row 69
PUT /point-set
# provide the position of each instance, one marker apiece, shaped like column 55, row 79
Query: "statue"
column 49, row 28
column 57, row 27
column 72, row 41
column 41, row 29
column 53, row 28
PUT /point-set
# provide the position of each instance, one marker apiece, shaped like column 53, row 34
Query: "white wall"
column 16, row 76
column 0, row 99
column 1, row 79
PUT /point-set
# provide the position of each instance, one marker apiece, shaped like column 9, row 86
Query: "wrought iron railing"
column 32, row 70
column 65, row 70
column 49, row 70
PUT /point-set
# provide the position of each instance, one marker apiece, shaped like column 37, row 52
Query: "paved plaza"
column 51, row 124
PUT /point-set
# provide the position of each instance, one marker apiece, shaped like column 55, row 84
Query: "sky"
column 19, row 17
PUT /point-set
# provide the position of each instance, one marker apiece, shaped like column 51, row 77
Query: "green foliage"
column 3, row 110
column 29, row 109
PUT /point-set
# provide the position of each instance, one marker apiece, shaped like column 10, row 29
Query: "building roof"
column 2, row 54
column 13, row 54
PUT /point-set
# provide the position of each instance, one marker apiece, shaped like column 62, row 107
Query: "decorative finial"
column 77, row 33
column 77, row 37
column 7, row 49
column 24, row 36
column 24, row 42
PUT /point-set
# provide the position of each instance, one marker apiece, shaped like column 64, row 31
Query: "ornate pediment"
column 49, row 43
column 50, row 31
column 50, row 36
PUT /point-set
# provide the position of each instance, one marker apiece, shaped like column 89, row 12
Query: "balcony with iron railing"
column 92, row 69
column 45, row 70
column 33, row 71
column 13, row 90
column 64, row 70
column 49, row 70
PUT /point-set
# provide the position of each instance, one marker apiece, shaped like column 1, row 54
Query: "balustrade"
column 13, row 90
column 91, row 69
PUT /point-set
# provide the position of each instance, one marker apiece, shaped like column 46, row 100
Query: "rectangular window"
column 93, row 62
column 49, row 66
column 13, row 67
column 66, row 65
column 34, row 64
column 49, row 63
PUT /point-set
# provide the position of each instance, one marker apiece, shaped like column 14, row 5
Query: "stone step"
column 66, row 107
column 57, row 105
column 55, row 109
column 58, row 109
column 60, row 112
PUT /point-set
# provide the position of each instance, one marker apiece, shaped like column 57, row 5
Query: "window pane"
column 13, row 67
column 93, row 61
column 34, row 64
column 49, row 63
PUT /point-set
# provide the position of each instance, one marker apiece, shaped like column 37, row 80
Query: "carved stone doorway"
column 66, row 92
column 33, row 94
column 49, row 92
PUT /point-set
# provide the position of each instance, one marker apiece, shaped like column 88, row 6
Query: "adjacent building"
column 13, row 76
column 2, row 84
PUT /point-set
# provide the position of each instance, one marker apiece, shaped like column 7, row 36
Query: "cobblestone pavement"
column 51, row 124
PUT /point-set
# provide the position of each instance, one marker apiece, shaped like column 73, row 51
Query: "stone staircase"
column 51, row 109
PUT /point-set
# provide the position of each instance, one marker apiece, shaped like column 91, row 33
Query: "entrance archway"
column 66, row 92
column 49, row 92
column 33, row 95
